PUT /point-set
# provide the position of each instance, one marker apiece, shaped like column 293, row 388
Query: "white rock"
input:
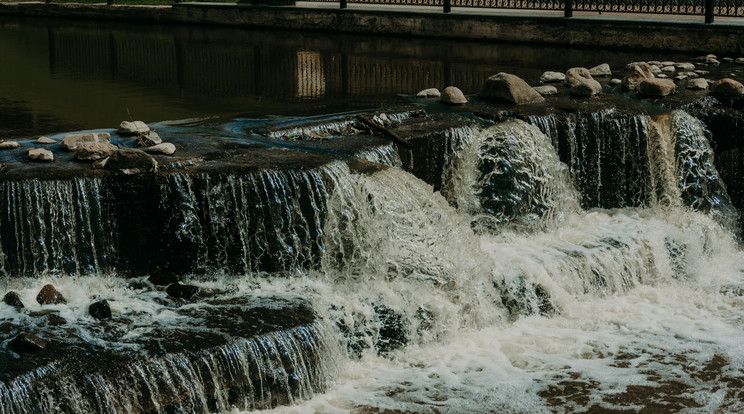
column 616, row 82
column 739, row 61
column 72, row 141
column 40, row 154
column 655, row 69
column 453, row 95
column 93, row 151
column 133, row 128
column 552, row 77
column 697, row 84
column 728, row 59
column 165, row 148
column 429, row 93
column 680, row 77
column 7, row 145
column 668, row 69
column 654, row 63
column 667, row 63
column 684, row 66
column 601, row 70
column 546, row 90
column 701, row 72
column 45, row 140
column 662, row 76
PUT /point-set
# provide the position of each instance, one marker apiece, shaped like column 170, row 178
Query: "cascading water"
column 499, row 294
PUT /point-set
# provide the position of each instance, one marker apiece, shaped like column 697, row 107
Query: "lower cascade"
column 520, row 270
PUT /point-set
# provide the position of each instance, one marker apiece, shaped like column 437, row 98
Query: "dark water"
column 59, row 75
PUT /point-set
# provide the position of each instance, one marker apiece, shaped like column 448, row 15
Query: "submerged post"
column 447, row 6
column 568, row 11
column 709, row 11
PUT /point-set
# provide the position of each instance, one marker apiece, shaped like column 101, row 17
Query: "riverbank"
column 678, row 33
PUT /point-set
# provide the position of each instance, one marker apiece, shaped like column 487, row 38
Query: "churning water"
column 501, row 293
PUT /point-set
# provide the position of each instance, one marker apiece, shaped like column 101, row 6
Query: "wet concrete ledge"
column 667, row 33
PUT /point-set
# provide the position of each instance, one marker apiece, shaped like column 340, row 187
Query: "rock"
column 581, row 83
column 133, row 128
column 667, row 63
column 656, row 88
column 148, row 140
column 453, row 95
column 662, row 76
column 45, row 141
column 92, row 151
column 728, row 60
column 690, row 74
column 163, row 278
column 616, row 82
column 179, row 291
column 654, row 63
column 12, row 299
column 727, row 87
column 697, row 84
column 680, row 77
column 546, row 90
column 55, row 320
column 655, row 69
column 701, row 72
column 100, row 310
column 668, row 69
column 429, row 93
column 684, row 66
column 26, row 343
column 739, row 61
column 635, row 73
column 512, row 88
column 50, row 296
column 9, row 145
column 40, row 154
column 131, row 159
column 72, row 141
column 165, row 148
column 548, row 77
column 601, row 70
column 713, row 62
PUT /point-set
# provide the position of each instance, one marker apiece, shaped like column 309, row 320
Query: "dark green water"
column 61, row 75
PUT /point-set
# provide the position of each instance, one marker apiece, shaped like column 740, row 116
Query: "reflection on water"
column 62, row 75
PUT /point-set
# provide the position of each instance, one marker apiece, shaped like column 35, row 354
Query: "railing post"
column 343, row 4
column 447, row 6
column 709, row 11
column 568, row 11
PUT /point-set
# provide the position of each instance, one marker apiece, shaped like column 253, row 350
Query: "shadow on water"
column 68, row 75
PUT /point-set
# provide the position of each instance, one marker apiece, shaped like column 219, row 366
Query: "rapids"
column 521, row 285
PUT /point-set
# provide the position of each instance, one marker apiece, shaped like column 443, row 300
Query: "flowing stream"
column 510, row 290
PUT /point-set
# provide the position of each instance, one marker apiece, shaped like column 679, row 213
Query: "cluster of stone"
column 96, row 147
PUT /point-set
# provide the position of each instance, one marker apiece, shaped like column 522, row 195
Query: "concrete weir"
column 653, row 32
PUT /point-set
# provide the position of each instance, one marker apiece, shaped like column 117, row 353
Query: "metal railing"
column 708, row 8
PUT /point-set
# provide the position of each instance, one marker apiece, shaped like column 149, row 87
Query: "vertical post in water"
column 568, row 11
column 343, row 4
column 709, row 11
column 447, row 6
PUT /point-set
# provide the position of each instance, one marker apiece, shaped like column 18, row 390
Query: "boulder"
column 601, row 70
column 453, row 95
column 681, row 77
column 701, row 72
column 635, row 73
column 429, row 93
column 9, row 145
column 727, row 87
column 179, row 291
column 548, row 77
column 12, row 299
column 92, row 151
column 40, row 154
column 739, row 61
column 668, row 69
column 45, row 141
column 662, row 76
column 581, row 83
column 505, row 86
column 654, row 63
column 546, row 90
column 100, row 310
column 133, row 128
column 165, row 148
column 728, row 60
column 713, row 62
column 163, row 278
column 656, row 87
column 149, row 139
column 48, row 295
column 667, row 63
column 72, row 141
column 697, row 84
column 686, row 66
column 616, row 82
column 655, row 69
column 26, row 343
column 132, row 160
